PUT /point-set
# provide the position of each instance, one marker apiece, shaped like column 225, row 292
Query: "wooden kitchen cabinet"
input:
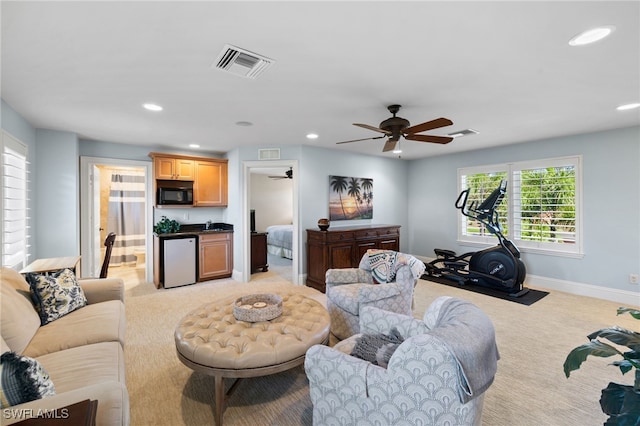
column 215, row 255
column 343, row 247
column 210, row 183
column 168, row 168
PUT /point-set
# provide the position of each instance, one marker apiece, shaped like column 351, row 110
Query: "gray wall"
column 58, row 200
column 611, row 204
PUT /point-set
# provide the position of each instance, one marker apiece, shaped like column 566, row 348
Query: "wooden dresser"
column 343, row 247
column 259, row 252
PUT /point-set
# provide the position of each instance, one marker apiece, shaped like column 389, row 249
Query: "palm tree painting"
column 350, row 198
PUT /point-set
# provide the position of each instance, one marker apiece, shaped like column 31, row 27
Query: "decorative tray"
column 257, row 307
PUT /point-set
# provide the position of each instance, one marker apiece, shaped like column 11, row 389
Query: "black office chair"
column 108, row 243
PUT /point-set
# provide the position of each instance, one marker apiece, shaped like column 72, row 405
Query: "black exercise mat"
column 531, row 297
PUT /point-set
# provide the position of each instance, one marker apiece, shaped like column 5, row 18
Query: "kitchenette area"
column 194, row 253
column 188, row 253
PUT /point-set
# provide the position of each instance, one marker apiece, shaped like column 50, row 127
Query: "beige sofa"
column 82, row 351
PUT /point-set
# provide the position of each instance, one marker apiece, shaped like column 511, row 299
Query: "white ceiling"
column 502, row 68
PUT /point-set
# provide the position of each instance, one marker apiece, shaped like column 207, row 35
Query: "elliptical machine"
column 497, row 267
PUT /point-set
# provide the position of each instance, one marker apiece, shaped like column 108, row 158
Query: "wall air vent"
column 242, row 62
column 269, row 154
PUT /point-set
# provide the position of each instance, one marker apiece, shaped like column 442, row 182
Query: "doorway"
column 116, row 196
column 289, row 264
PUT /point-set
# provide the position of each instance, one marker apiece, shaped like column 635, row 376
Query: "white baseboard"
column 627, row 297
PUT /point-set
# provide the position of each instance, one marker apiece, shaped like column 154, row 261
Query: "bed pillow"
column 55, row 294
column 22, row 379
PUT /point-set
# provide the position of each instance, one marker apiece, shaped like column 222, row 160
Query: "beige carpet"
column 529, row 389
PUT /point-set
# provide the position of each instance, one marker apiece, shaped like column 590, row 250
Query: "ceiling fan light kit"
column 396, row 127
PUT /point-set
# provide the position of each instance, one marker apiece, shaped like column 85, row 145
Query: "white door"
column 94, row 191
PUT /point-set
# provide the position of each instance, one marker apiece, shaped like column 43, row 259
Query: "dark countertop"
column 198, row 229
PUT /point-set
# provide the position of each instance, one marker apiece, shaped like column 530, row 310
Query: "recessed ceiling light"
column 591, row 36
column 312, row 136
column 194, row 145
column 244, row 123
column 628, row 106
column 152, row 107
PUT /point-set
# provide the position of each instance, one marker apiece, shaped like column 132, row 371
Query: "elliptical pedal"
column 444, row 253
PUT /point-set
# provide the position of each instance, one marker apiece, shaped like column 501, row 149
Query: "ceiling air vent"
column 465, row 132
column 269, row 154
column 242, row 62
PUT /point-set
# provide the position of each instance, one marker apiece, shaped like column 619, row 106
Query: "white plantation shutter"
column 541, row 211
column 13, row 187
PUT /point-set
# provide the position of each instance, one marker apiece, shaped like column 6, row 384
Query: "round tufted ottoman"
column 210, row 340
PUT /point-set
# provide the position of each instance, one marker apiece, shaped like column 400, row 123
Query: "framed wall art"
column 350, row 198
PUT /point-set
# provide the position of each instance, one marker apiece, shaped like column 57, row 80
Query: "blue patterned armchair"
column 436, row 376
column 350, row 289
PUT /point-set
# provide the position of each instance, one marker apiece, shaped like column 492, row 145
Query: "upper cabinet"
column 209, row 176
column 169, row 168
column 210, row 184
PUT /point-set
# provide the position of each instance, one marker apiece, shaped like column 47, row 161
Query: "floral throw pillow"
column 55, row 294
column 22, row 379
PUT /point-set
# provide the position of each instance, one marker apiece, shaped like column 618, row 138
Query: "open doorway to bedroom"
column 272, row 168
column 271, row 219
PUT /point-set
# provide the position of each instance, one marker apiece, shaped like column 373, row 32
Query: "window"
column 541, row 210
column 13, row 187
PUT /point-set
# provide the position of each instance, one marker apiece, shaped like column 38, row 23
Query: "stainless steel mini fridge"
column 179, row 261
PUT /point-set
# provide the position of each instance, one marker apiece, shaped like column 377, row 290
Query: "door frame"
column 246, row 225
column 88, row 233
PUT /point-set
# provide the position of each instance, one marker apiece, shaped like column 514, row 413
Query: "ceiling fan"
column 287, row 175
column 395, row 127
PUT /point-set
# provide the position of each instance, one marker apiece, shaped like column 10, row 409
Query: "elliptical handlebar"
column 461, row 202
column 486, row 212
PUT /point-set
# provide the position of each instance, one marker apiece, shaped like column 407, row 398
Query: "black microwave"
column 174, row 193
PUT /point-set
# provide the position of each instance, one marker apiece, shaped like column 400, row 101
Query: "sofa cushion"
column 18, row 318
column 22, row 379
column 102, row 322
column 85, row 365
column 55, row 294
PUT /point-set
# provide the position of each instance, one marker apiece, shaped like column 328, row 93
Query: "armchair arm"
column 100, row 290
column 331, row 369
column 376, row 320
column 342, row 276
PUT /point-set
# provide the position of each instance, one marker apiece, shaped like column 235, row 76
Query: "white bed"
column 280, row 240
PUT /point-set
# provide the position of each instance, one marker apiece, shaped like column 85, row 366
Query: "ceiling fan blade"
column 390, row 145
column 429, row 138
column 358, row 140
column 433, row 124
column 375, row 129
